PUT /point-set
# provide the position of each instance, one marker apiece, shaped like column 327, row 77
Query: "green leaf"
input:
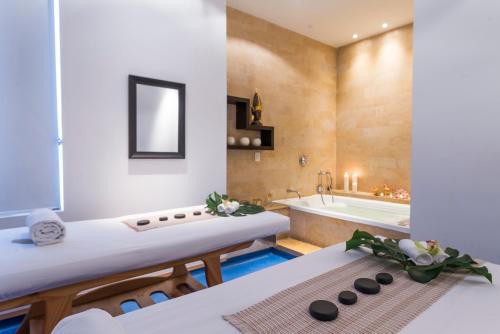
column 483, row 271
column 422, row 275
column 451, row 252
column 362, row 235
column 458, row 262
column 353, row 244
column 249, row 209
column 379, row 249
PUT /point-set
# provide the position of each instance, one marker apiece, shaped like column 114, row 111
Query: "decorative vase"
column 245, row 141
column 256, row 142
column 231, row 140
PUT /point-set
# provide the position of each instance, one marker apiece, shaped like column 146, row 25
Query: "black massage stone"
column 323, row 310
column 180, row 216
column 143, row 222
column 384, row 278
column 367, row 286
column 348, row 297
column 197, row 213
column 164, row 218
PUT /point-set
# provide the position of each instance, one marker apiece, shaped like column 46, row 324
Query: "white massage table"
column 472, row 306
column 99, row 248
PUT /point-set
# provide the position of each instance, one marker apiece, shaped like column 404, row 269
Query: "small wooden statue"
column 256, row 109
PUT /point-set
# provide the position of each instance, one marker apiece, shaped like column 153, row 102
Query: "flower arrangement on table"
column 223, row 206
column 423, row 260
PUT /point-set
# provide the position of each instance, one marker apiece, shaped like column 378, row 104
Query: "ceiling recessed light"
column 385, row 25
column 355, row 36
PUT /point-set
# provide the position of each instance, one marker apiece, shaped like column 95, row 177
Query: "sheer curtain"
column 29, row 150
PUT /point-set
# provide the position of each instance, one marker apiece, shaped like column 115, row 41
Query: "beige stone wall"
column 347, row 109
column 296, row 77
column 374, row 101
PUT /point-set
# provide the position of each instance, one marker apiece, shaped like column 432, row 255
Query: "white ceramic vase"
column 256, row 142
column 245, row 141
column 231, row 140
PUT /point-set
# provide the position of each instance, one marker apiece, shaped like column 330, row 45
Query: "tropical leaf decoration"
column 232, row 207
column 389, row 248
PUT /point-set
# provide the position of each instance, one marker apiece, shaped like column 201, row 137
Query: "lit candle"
column 355, row 182
column 346, row 181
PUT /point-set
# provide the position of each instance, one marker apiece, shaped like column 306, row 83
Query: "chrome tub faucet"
column 294, row 191
column 321, row 187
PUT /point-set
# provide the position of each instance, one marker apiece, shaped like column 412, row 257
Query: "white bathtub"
column 392, row 216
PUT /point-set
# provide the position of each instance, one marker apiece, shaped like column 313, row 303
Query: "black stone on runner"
column 348, row 297
column 323, row 310
column 367, row 286
column 384, row 278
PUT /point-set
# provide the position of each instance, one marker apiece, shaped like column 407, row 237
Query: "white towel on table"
column 93, row 321
column 417, row 255
column 45, row 227
column 441, row 256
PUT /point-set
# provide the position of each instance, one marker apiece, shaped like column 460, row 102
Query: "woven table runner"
column 384, row 313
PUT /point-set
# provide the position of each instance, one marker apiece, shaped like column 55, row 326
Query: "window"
column 30, row 105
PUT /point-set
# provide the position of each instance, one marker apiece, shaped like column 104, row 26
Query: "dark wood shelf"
column 244, row 122
column 249, row 148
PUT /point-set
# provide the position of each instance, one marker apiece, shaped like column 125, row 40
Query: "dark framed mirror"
column 156, row 118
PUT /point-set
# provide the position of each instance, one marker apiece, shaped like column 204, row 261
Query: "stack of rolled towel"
column 45, row 227
column 423, row 253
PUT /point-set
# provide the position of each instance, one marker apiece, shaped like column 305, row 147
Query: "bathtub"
column 386, row 215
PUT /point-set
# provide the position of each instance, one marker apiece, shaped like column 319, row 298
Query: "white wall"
column 456, row 125
column 102, row 43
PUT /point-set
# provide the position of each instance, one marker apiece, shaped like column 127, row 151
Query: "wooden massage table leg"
column 43, row 316
column 57, row 308
column 33, row 320
column 212, row 270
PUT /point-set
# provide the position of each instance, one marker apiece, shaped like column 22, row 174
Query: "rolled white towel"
column 417, row 255
column 440, row 256
column 94, row 321
column 235, row 206
column 45, row 227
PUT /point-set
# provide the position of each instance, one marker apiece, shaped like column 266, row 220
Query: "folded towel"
column 45, row 227
column 93, row 321
column 415, row 252
column 440, row 256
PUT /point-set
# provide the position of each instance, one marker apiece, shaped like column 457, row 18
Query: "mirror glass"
column 156, row 118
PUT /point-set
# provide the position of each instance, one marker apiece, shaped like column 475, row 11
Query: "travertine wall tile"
column 347, row 109
column 296, row 78
column 374, row 103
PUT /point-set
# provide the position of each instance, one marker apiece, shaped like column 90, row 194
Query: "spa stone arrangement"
column 144, row 222
column 217, row 205
column 423, row 261
column 324, row 310
column 396, row 276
